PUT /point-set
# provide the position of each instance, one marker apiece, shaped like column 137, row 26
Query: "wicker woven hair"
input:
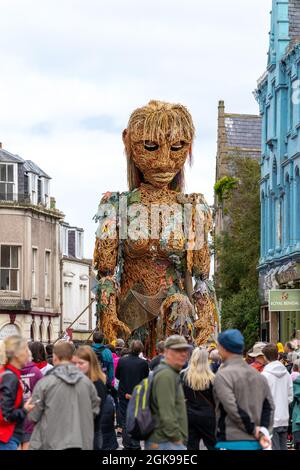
column 158, row 121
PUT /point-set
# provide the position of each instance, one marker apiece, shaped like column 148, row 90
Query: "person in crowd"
column 39, row 356
column 115, row 386
column 104, row 356
column 167, row 400
column 66, row 405
column 258, row 356
column 281, row 386
column 296, row 414
column 86, row 360
column 296, row 370
column 215, row 360
column 157, row 359
column 280, row 348
column 289, row 347
column 120, row 344
column 14, row 355
column 125, row 352
column 30, row 375
column 49, row 352
column 197, row 382
column 131, row 370
column 249, row 360
column 244, row 402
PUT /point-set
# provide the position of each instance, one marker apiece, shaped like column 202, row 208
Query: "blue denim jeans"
column 163, row 446
column 12, row 444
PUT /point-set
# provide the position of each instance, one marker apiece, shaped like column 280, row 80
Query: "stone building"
column 77, row 278
column 239, row 136
column 278, row 94
column 30, row 302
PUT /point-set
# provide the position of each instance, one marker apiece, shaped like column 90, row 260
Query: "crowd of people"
column 63, row 397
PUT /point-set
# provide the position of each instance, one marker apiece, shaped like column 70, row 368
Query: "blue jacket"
column 105, row 358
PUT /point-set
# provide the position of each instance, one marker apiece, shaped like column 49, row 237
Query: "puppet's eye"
column 151, row 146
column 178, row 146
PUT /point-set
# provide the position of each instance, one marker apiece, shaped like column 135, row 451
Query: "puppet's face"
column 159, row 162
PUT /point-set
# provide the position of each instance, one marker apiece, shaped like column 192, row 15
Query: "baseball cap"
column 177, row 342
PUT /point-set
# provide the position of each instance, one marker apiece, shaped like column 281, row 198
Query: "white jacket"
column 281, row 386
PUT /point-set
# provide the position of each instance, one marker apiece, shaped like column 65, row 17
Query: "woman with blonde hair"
column 14, row 355
column 197, row 382
column 86, row 360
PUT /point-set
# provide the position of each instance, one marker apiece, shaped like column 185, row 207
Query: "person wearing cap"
column 258, row 356
column 244, row 404
column 167, row 398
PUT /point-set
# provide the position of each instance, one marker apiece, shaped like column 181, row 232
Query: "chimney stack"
column 0, row 145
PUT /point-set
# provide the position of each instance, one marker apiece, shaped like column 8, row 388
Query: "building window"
column 298, row 205
column 291, row 110
column 72, row 243
column 79, row 245
column 34, row 272
column 39, row 191
column 46, row 192
column 47, row 274
column 6, row 182
column 34, row 189
column 274, row 93
column 287, row 219
column 9, row 268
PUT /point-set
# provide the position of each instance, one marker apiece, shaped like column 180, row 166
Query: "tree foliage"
column 237, row 251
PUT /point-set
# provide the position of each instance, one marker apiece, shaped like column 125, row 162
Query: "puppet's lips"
column 163, row 176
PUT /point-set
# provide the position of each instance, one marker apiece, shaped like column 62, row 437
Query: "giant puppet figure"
column 151, row 253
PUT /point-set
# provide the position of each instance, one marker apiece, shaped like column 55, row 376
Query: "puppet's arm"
column 106, row 264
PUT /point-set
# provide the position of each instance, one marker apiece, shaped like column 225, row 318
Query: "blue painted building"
column 278, row 95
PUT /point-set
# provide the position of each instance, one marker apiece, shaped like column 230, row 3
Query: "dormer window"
column 7, row 182
column 34, row 189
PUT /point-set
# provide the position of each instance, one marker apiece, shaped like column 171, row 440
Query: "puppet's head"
column 158, row 140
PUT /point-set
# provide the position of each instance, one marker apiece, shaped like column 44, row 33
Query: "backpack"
column 140, row 421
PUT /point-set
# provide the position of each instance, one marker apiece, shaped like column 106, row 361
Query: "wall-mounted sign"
column 285, row 300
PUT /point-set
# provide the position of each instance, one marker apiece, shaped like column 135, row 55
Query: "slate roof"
column 31, row 167
column 294, row 20
column 8, row 157
column 243, row 131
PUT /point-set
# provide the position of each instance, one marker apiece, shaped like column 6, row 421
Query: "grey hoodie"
column 66, row 410
column 281, row 386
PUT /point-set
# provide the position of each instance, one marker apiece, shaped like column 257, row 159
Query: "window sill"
column 14, row 293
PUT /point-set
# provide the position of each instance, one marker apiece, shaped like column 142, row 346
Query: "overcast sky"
column 72, row 71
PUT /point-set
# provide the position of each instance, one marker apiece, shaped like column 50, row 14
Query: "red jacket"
column 12, row 413
column 258, row 366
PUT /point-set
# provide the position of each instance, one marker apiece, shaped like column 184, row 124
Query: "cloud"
column 73, row 70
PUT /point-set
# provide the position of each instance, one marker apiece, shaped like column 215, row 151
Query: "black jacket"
column 9, row 384
column 131, row 370
column 108, row 425
column 102, row 393
column 200, row 403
